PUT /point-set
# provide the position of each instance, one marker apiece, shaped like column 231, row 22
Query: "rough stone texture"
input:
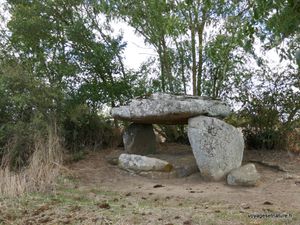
column 161, row 108
column 143, row 163
column 246, row 175
column 217, row 146
column 139, row 139
column 181, row 158
column 112, row 160
column 184, row 164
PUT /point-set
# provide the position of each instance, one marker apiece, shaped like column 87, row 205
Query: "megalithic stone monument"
column 217, row 146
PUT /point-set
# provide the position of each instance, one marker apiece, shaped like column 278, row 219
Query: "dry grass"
column 293, row 141
column 41, row 172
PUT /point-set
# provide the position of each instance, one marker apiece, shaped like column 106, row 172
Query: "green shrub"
column 261, row 126
column 17, row 141
column 174, row 133
column 85, row 129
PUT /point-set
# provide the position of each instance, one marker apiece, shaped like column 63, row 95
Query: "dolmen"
column 217, row 146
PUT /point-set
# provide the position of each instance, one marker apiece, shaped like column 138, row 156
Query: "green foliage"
column 27, row 107
column 78, row 155
column 271, row 107
column 156, row 23
column 71, row 49
column 174, row 133
column 281, row 17
column 60, row 64
column 84, row 129
column 263, row 129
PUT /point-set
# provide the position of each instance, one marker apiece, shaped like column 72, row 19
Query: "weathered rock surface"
column 162, row 108
column 143, row 163
column 139, row 139
column 181, row 158
column 184, row 164
column 246, row 175
column 217, row 146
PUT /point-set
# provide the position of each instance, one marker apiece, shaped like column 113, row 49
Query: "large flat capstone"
column 161, row 108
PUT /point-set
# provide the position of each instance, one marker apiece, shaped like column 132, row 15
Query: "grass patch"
column 99, row 206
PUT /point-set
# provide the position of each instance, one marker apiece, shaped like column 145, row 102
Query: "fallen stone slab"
column 217, row 146
column 139, row 139
column 184, row 164
column 246, row 175
column 161, row 108
column 140, row 163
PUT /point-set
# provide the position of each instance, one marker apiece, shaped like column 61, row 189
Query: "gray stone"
column 143, row 163
column 139, row 139
column 184, row 165
column 161, row 108
column 297, row 56
column 246, row 175
column 179, row 156
column 217, row 146
column 158, row 174
column 113, row 160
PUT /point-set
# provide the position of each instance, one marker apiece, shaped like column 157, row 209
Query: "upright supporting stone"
column 139, row 139
column 217, row 146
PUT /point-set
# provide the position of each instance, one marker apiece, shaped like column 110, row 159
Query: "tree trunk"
column 182, row 66
column 200, row 62
column 116, row 124
column 194, row 65
column 182, row 72
column 167, row 64
column 214, row 84
column 162, row 71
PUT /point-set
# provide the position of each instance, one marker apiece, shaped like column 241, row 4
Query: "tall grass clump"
column 40, row 172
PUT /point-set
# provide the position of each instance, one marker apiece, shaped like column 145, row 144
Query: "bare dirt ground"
column 100, row 193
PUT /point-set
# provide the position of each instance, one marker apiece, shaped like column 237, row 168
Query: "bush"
column 28, row 105
column 85, row 129
column 262, row 126
column 18, row 142
column 173, row 133
column 27, row 108
column 293, row 140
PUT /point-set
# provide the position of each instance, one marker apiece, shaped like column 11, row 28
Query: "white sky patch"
column 136, row 51
column 271, row 56
column 5, row 16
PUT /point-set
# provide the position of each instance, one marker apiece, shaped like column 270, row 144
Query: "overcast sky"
column 136, row 50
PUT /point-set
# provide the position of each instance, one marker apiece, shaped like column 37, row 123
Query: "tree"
column 182, row 33
column 155, row 22
column 70, row 49
column 57, row 57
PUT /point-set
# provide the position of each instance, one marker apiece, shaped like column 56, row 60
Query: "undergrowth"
column 41, row 171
